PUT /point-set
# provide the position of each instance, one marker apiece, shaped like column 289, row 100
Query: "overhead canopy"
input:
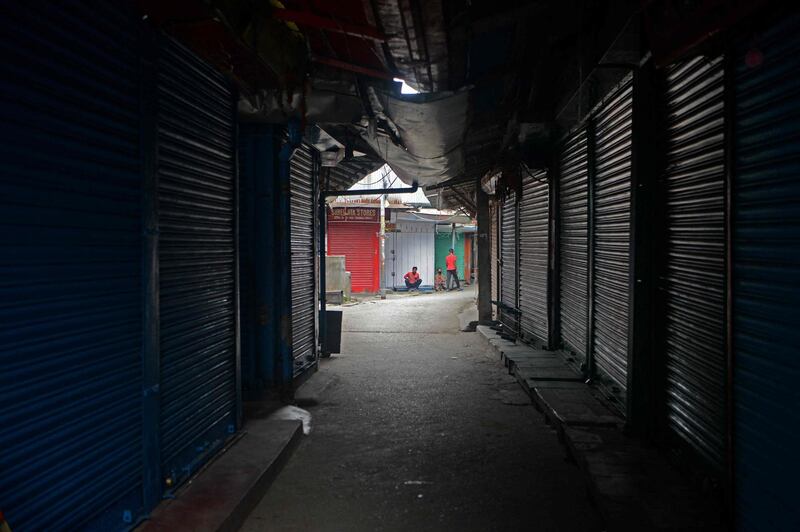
column 430, row 129
column 502, row 78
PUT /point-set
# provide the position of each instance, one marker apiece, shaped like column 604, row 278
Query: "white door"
column 411, row 245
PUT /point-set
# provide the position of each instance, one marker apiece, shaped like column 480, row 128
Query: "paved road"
column 418, row 428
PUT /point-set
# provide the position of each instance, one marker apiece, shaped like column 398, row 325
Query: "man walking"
column 412, row 279
column 452, row 272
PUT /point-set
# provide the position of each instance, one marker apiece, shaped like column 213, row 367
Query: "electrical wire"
column 374, row 182
column 446, row 220
column 378, row 196
column 540, row 180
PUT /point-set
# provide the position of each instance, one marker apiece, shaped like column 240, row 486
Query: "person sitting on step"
column 412, row 279
column 438, row 283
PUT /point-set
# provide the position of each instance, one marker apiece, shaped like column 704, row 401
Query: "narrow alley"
column 418, row 428
column 228, row 230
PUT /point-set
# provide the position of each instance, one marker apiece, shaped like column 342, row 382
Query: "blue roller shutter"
column 611, row 227
column 70, row 268
column 766, row 278
column 304, row 299
column 574, row 243
column 197, row 260
column 692, row 279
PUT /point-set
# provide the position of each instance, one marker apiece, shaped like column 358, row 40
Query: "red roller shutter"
column 358, row 242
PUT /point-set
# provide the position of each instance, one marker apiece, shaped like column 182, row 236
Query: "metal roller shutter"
column 304, row 292
column 508, row 262
column 692, row 283
column 197, row 260
column 574, row 242
column 358, row 242
column 766, row 278
column 611, row 231
column 494, row 256
column 71, row 263
column 534, row 233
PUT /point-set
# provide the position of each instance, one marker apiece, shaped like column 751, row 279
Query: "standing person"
column 412, row 279
column 452, row 271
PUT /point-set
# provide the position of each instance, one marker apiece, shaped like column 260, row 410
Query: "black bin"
column 333, row 331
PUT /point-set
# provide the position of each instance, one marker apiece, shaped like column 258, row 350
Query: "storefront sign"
column 354, row 214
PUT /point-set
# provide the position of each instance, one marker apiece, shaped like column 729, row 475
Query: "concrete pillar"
column 484, row 257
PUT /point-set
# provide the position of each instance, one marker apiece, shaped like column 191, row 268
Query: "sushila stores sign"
column 354, row 214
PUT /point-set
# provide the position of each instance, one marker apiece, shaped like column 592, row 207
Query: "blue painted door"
column 70, row 268
column 257, row 175
column 766, row 278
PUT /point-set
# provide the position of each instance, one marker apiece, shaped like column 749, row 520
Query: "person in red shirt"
column 452, row 271
column 438, row 283
column 412, row 279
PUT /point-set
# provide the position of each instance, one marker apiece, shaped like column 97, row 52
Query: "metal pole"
column 381, row 237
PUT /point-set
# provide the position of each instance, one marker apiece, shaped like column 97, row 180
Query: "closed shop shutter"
column 574, row 242
column 766, row 278
column 534, row 231
column 197, row 260
column 494, row 255
column 611, row 230
column 71, row 263
column 304, row 292
column 508, row 260
column 358, row 242
column 692, row 283
column 412, row 244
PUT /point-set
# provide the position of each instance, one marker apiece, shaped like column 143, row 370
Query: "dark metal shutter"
column 766, row 278
column 508, row 258
column 611, row 234
column 493, row 244
column 197, row 260
column 692, row 282
column 534, row 231
column 304, row 293
column 71, row 264
column 574, row 242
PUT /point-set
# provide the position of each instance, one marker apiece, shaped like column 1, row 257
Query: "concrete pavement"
column 419, row 427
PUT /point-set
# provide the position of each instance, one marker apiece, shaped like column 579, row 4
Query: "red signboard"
column 354, row 214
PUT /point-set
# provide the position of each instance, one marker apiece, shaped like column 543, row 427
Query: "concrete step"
column 633, row 485
column 636, row 488
column 221, row 496
column 571, row 404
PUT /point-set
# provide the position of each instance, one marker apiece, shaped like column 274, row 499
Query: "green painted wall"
column 443, row 244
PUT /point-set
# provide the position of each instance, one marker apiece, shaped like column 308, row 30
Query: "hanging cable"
column 524, row 166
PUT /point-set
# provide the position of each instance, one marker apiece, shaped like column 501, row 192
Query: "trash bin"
column 333, row 331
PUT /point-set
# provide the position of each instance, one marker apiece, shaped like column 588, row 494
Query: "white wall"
column 413, row 246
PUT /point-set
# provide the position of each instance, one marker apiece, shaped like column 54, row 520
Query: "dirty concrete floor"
column 417, row 427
